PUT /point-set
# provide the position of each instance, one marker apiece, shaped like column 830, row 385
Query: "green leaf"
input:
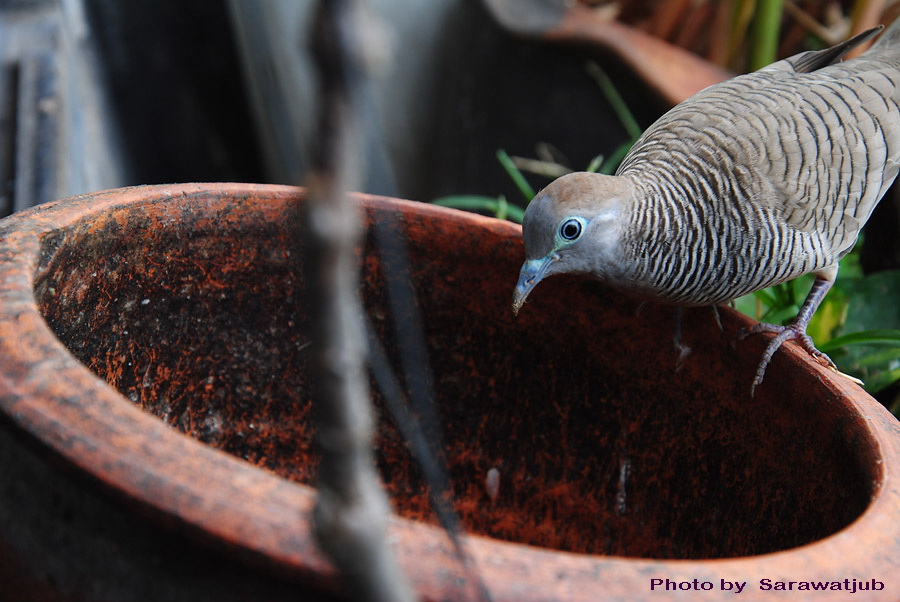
column 615, row 100
column 882, row 338
column 503, row 207
column 780, row 314
column 767, row 296
column 516, row 175
column 499, row 206
column 882, row 380
column 766, row 27
column 595, row 164
column 610, row 165
column 878, row 359
column 873, row 302
column 869, row 344
column 749, row 305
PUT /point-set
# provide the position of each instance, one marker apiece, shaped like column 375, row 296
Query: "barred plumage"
column 779, row 194
column 748, row 183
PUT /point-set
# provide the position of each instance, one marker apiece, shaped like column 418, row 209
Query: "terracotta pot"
column 155, row 436
column 670, row 70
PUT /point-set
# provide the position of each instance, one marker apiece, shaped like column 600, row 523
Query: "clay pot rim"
column 117, row 454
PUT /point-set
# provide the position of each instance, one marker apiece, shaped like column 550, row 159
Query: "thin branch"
column 352, row 510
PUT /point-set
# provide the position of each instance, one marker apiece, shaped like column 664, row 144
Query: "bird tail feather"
column 888, row 39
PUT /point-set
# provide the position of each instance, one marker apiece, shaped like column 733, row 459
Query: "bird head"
column 573, row 227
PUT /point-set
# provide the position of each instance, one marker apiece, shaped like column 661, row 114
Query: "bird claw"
column 792, row 332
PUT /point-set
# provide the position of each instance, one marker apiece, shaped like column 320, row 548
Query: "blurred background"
column 98, row 94
column 104, row 93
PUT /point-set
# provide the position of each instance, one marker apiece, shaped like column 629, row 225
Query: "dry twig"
column 352, row 510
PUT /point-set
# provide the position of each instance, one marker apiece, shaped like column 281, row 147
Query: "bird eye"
column 570, row 229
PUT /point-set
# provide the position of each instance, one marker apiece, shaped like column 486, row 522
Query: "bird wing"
column 807, row 62
column 833, row 140
column 832, row 148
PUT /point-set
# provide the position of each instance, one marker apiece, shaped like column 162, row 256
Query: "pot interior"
column 193, row 308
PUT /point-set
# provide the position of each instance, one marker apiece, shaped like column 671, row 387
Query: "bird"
column 750, row 182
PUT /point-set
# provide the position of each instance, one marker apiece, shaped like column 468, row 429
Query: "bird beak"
column 532, row 272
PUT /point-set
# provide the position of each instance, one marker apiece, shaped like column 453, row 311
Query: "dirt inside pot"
column 193, row 309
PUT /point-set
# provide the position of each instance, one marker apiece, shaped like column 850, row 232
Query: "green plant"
column 499, row 207
column 767, row 25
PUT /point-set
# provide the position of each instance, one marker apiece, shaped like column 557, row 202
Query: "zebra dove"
column 748, row 183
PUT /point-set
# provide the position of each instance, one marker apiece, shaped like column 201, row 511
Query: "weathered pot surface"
column 152, row 340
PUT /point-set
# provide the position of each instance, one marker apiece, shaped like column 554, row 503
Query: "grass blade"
column 498, row 206
column 766, row 26
column 615, row 99
column 595, row 164
column 612, row 162
column 516, row 175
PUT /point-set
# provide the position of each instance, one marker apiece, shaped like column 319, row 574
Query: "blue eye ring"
column 571, row 229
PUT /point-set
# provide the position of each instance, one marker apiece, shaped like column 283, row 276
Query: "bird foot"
column 792, row 332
